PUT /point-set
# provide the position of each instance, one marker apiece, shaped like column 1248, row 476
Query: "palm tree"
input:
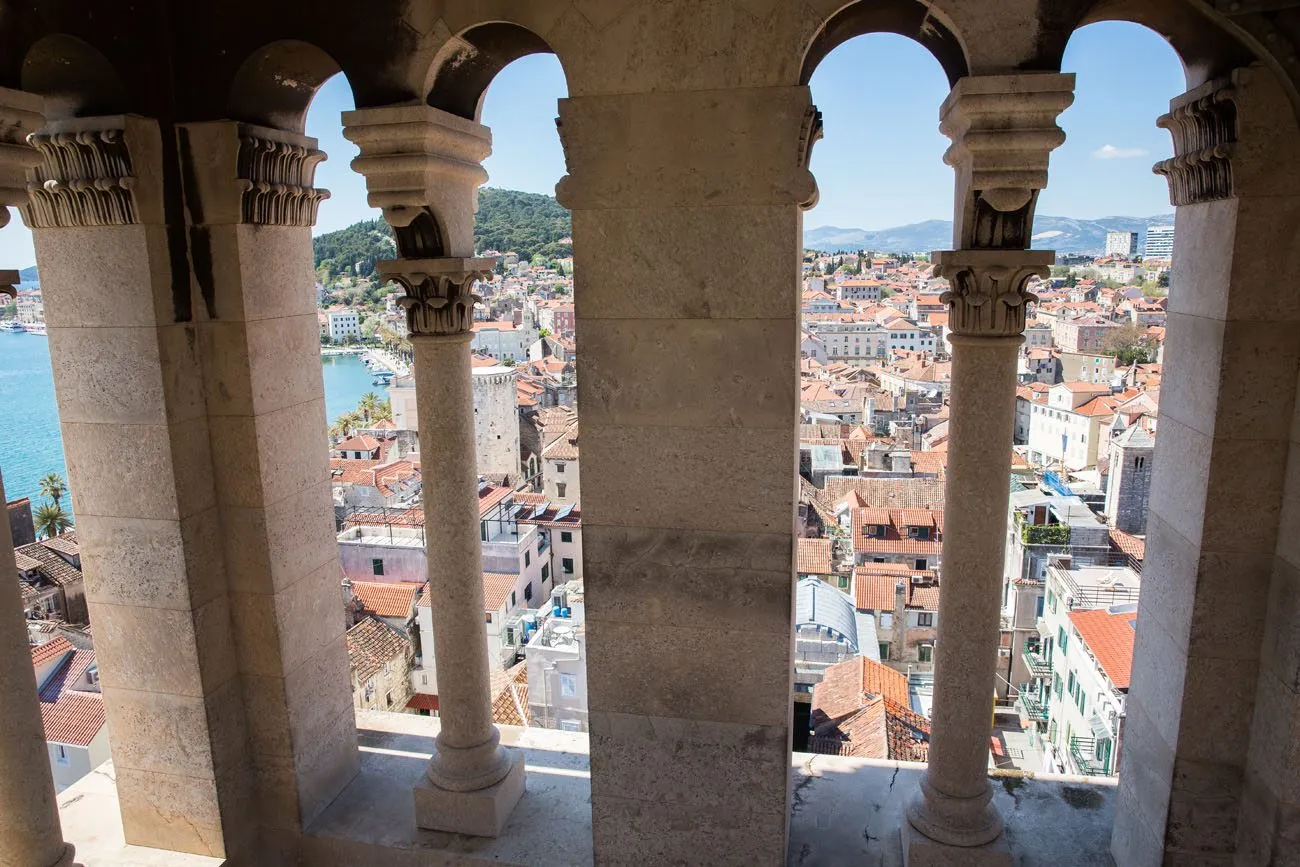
column 53, row 486
column 384, row 411
column 367, row 405
column 51, row 520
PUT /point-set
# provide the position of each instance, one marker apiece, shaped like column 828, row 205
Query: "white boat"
column 11, row 326
column 35, row 328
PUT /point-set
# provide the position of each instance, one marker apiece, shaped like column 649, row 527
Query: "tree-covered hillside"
column 508, row 221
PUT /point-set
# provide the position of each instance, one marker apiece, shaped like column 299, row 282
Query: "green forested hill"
column 507, row 221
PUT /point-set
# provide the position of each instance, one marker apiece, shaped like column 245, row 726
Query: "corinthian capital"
column 987, row 294
column 1003, row 127
column 438, row 293
column 21, row 114
column 1203, row 126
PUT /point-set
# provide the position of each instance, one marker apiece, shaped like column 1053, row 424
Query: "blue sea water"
column 30, row 441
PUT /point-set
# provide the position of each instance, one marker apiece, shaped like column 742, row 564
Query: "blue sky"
column 881, row 162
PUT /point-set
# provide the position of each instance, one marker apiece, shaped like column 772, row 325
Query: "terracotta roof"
column 387, row 598
column 1110, row 638
column 53, row 567
column 510, row 696
column 497, row 587
column 874, row 586
column 65, row 544
column 422, row 701
column 1128, row 544
column 897, row 539
column 861, row 709
column 1083, row 387
column 25, row 563
column 363, row 443
column 489, row 496
column 43, row 653
column 814, row 556
column 564, row 447
column 371, row 644
column 907, row 493
column 71, row 715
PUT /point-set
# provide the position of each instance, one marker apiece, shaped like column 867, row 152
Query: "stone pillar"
column 29, row 816
column 423, row 168
column 688, row 392
column 129, row 386
column 1003, row 128
column 251, row 203
column 1209, row 771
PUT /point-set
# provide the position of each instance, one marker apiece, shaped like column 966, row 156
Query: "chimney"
column 900, row 621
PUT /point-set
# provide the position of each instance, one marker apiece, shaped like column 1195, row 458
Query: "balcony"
column 1030, row 705
column 1083, row 754
column 844, row 810
column 1038, row 664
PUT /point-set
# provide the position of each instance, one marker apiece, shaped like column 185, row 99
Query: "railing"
column 1083, row 752
column 1039, row 665
column 1033, row 708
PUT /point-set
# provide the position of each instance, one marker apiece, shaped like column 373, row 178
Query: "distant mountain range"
column 1064, row 234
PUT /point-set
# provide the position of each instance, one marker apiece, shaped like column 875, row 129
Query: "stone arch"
column 469, row 62
column 1206, row 48
column 74, row 77
column 909, row 18
column 276, row 83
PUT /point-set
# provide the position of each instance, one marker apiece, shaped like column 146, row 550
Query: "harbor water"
column 30, row 442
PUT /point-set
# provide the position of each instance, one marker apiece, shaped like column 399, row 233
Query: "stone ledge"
column 843, row 810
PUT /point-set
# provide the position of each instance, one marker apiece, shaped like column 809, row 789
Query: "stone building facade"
column 157, row 151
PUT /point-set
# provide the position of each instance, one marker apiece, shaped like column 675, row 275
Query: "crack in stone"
column 797, row 793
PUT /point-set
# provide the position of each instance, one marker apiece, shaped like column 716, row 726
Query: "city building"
column 557, row 662
column 1121, row 243
column 1159, row 243
column 1081, row 334
column 72, row 710
column 503, row 340
column 379, row 659
column 1128, row 482
column 1067, row 430
column 342, row 324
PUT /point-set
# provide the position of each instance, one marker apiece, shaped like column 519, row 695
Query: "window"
column 884, row 650
column 546, row 572
column 559, row 468
column 570, row 725
column 1062, row 640
column 61, row 754
column 388, row 699
column 568, row 685
column 528, row 558
column 566, row 536
column 925, row 618
column 377, row 566
column 559, row 489
column 1056, row 684
column 513, row 602
column 1139, row 463
column 919, row 563
column 566, row 563
column 1039, row 608
column 925, row 653
column 528, row 591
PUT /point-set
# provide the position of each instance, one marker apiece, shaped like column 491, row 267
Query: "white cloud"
column 1110, row 152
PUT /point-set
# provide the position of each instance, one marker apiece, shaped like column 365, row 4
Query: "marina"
column 31, row 444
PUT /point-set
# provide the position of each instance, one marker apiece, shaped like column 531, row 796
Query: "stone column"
column 29, row 816
column 251, row 203
column 128, row 380
column 423, row 168
column 1003, row 128
column 1210, row 768
column 688, row 392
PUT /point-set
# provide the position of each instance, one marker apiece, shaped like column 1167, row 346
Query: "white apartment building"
column 852, row 342
column 503, row 341
column 904, row 335
column 1078, row 688
column 1160, row 242
column 1121, row 243
column 1068, row 428
column 557, row 662
column 858, row 289
column 342, row 324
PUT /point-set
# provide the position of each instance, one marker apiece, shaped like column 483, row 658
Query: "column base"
column 481, row 813
column 920, row 851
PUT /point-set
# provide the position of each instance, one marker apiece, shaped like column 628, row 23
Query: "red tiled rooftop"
column 1110, row 638
column 387, row 598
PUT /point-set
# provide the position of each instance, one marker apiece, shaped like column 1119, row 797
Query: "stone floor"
column 845, row 811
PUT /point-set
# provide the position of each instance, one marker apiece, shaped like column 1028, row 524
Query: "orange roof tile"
column 814, row 556
column 1110, row 637
column 387, row 598
column 496, row 589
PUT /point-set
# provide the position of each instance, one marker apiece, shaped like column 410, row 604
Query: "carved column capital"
column 423, row 168
column 987, row 294
column 9, row 280
column 86, row 173
column 1203, row 126
column 21, row 114
column 438, row 293
column 1003, row 127
column 276, row 170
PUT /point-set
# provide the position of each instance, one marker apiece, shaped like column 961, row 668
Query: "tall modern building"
column 1121, row 243
column 1160, row 242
